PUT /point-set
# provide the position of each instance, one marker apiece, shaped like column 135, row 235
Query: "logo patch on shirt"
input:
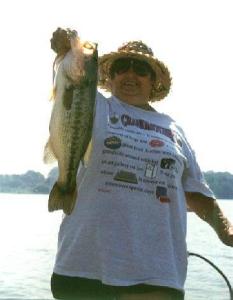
column 151, row 170
column 164, row 199
column 161, row 194
column 156, row 143
column 168, row 164
column 112, row 142
column 126, row 177
column 177, row 139
column 114, row 118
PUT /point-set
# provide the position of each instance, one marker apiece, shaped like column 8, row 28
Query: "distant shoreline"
column 33, row 182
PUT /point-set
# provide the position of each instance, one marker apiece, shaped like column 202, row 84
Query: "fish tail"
column 61, row 199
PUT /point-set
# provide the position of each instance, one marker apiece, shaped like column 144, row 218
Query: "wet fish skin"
column 72, row 120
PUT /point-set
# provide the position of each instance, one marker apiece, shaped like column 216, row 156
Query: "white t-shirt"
column 129, row 222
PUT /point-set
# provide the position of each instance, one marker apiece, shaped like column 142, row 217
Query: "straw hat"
column 138, row 50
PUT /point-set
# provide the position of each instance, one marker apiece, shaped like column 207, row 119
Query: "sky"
column 192, row 37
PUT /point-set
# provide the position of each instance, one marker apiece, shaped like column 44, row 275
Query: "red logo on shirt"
column 156, row 143
column 164, row 199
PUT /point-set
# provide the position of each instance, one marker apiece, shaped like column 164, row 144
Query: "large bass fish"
column 70, row 127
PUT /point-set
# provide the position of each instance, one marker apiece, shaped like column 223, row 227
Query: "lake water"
column 28, row 237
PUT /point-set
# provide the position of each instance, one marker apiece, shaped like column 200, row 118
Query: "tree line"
column 29, row 183
column 33, row 182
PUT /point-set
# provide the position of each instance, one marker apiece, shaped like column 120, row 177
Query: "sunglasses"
column 122, row 65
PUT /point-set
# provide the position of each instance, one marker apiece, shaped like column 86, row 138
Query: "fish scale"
column 77, row 123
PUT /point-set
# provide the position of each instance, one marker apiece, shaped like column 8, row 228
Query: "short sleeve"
column 193, row 179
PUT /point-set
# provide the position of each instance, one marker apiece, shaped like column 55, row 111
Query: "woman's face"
column 130, row 85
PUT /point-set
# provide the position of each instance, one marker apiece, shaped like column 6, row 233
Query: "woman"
column 125, row 238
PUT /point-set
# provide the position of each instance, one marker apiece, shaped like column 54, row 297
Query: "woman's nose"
column 130, row 71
